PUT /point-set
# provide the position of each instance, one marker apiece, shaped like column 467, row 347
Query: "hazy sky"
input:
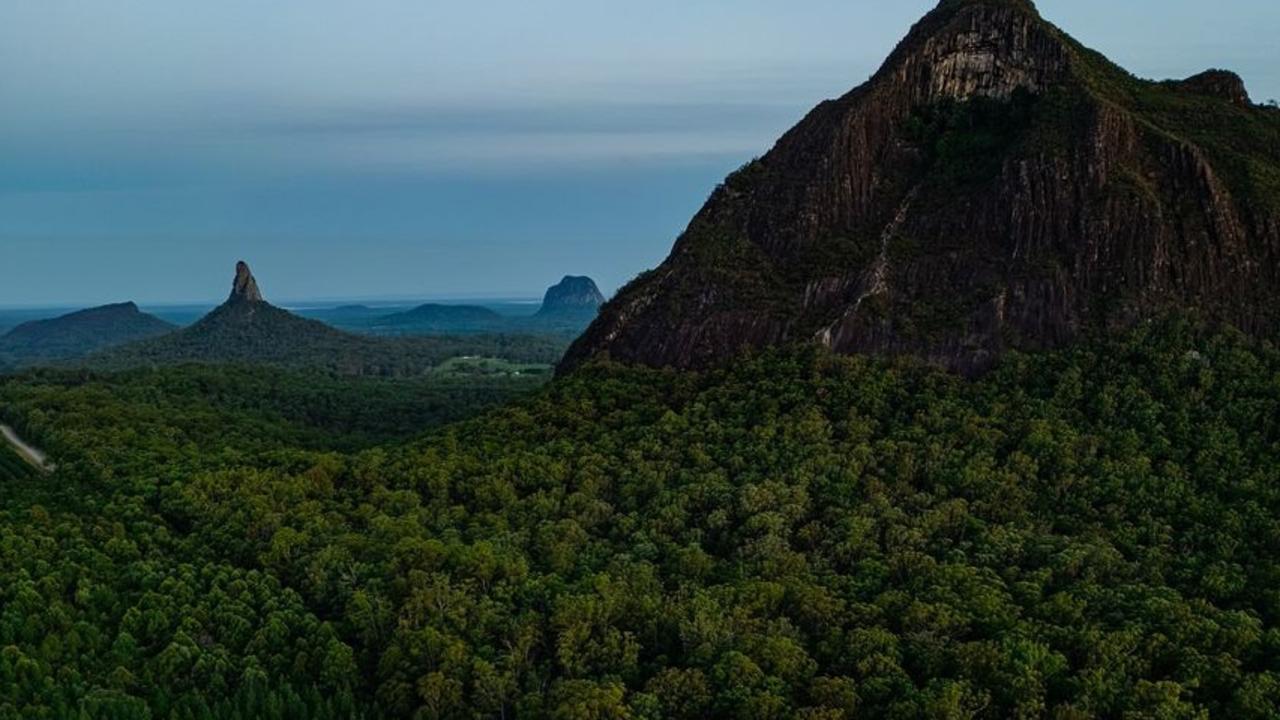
column 374, row 148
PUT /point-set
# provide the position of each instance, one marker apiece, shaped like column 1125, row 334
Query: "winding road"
column 28, row 453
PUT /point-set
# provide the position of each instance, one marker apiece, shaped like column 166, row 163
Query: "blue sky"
column 380, row 148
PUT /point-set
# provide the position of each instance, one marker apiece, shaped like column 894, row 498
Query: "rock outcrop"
column 994, row 185
column 245, row 288
column 573, row 294
column 1223, row 84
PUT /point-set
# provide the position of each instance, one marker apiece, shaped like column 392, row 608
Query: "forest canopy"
column 1089, row 533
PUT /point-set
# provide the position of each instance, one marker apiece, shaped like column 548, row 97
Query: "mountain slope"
column 247, row 329
column 80, row 333
column 994, row 185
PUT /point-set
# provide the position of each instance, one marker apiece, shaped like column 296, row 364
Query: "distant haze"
column 406, row 148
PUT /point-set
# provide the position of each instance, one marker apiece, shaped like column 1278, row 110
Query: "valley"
column 961, row 402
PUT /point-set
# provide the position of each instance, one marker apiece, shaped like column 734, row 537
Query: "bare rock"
column 995, row 185
column 245, row 287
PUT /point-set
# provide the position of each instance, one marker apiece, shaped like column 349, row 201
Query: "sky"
column 367, row 149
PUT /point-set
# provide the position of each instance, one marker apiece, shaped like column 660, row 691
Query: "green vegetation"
column 78, row 334
column 242, row 410
column 1085, row 534
column 966, row 142
column 13, row 467
column 434, row 318
column 1242, row 143
column 259, row 333
column 482, row 366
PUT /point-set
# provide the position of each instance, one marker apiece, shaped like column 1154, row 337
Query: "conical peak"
column 245, row 287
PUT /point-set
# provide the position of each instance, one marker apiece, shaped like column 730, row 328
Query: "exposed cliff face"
column 1221, row 83
column 994, row 185
column 245, row 287
column 573, row 294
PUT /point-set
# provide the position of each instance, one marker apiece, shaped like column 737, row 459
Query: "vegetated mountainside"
column 247, row 329
column 1089, row 533
column 994, row 185
column 433, row 317
column 79, row 333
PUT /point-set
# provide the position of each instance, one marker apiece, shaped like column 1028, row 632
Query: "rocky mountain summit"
column 572, row 294
column 994, row 185
column 245, row 287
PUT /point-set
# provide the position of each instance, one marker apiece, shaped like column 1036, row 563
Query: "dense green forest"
column 244, row 409
column 1091, row 533
column 13, row 467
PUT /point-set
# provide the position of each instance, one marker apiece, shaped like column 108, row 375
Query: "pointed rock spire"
column 245, row 287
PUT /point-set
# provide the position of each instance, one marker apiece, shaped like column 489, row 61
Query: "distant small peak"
column 245, row 287
column 129, row 306
column 572, row 292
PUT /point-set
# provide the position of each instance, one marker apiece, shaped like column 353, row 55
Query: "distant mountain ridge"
column 79, row 333
column 567, row 308
column 435, row 317
column 248, row 329
column 995, row 185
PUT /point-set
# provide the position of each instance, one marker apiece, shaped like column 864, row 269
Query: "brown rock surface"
column 994, row 185
column 245, row 288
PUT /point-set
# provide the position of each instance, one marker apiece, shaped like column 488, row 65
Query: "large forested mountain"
column 994, row 185
column 1086, row 534
column 248, row 329
column 79, row 333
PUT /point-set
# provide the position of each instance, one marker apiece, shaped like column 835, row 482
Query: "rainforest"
column 1085, row 533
